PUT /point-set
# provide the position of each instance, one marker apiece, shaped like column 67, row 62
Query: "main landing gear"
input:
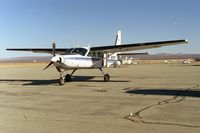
column 67, row 77
column 106, row 77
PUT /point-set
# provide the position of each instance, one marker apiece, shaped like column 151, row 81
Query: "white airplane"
column 91, row 57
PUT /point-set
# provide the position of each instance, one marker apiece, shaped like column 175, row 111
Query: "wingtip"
column 187, row 41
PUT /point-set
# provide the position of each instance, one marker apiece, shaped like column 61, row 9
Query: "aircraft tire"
column 61, row 81
column 68, row 78
column 106, row 78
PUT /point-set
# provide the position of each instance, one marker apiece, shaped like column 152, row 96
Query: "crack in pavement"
column 137, row 118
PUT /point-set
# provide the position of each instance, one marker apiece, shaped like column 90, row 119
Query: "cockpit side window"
column 70, row 50
column 81, row 51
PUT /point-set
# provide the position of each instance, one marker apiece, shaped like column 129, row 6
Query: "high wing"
column 107, row 49
column 136, row 46
column 61, row 51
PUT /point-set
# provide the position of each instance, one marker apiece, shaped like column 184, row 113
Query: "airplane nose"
column 56, row 59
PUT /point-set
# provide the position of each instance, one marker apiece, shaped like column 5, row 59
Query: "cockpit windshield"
column 81, row 51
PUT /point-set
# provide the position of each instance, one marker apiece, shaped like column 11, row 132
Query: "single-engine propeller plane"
column 91, row 57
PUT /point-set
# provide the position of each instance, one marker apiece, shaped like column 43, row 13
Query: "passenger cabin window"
column 95, row 54
column 80, row 51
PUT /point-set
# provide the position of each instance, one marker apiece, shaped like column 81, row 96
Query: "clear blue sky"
column 35, row 23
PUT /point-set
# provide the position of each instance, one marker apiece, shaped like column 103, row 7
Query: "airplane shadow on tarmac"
column 55, row 81
column 32, row 81
column 167, row 92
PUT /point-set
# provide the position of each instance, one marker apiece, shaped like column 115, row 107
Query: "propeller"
column 54, row 54
column 54, row 48
column 48, row 65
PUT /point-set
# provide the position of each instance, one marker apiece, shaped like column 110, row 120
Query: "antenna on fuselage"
column 89, row 45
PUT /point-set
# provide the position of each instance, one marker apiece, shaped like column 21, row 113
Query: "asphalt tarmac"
column 149, row 98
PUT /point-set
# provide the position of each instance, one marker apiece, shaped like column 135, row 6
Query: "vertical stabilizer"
column 112, row 59
column 118, row 41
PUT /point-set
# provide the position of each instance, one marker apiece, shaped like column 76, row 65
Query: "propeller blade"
column 58, row 69
column 48, row 65
column 54, row 48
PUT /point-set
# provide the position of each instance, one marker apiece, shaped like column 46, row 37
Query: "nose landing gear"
column 61, row 81
column 65, row 78
column 62, row 78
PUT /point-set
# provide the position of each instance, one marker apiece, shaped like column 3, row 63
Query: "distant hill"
column 162, row 56
column 159, row 56
column 28, row 59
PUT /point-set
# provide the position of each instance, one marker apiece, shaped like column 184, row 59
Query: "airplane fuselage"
column 68, row 62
